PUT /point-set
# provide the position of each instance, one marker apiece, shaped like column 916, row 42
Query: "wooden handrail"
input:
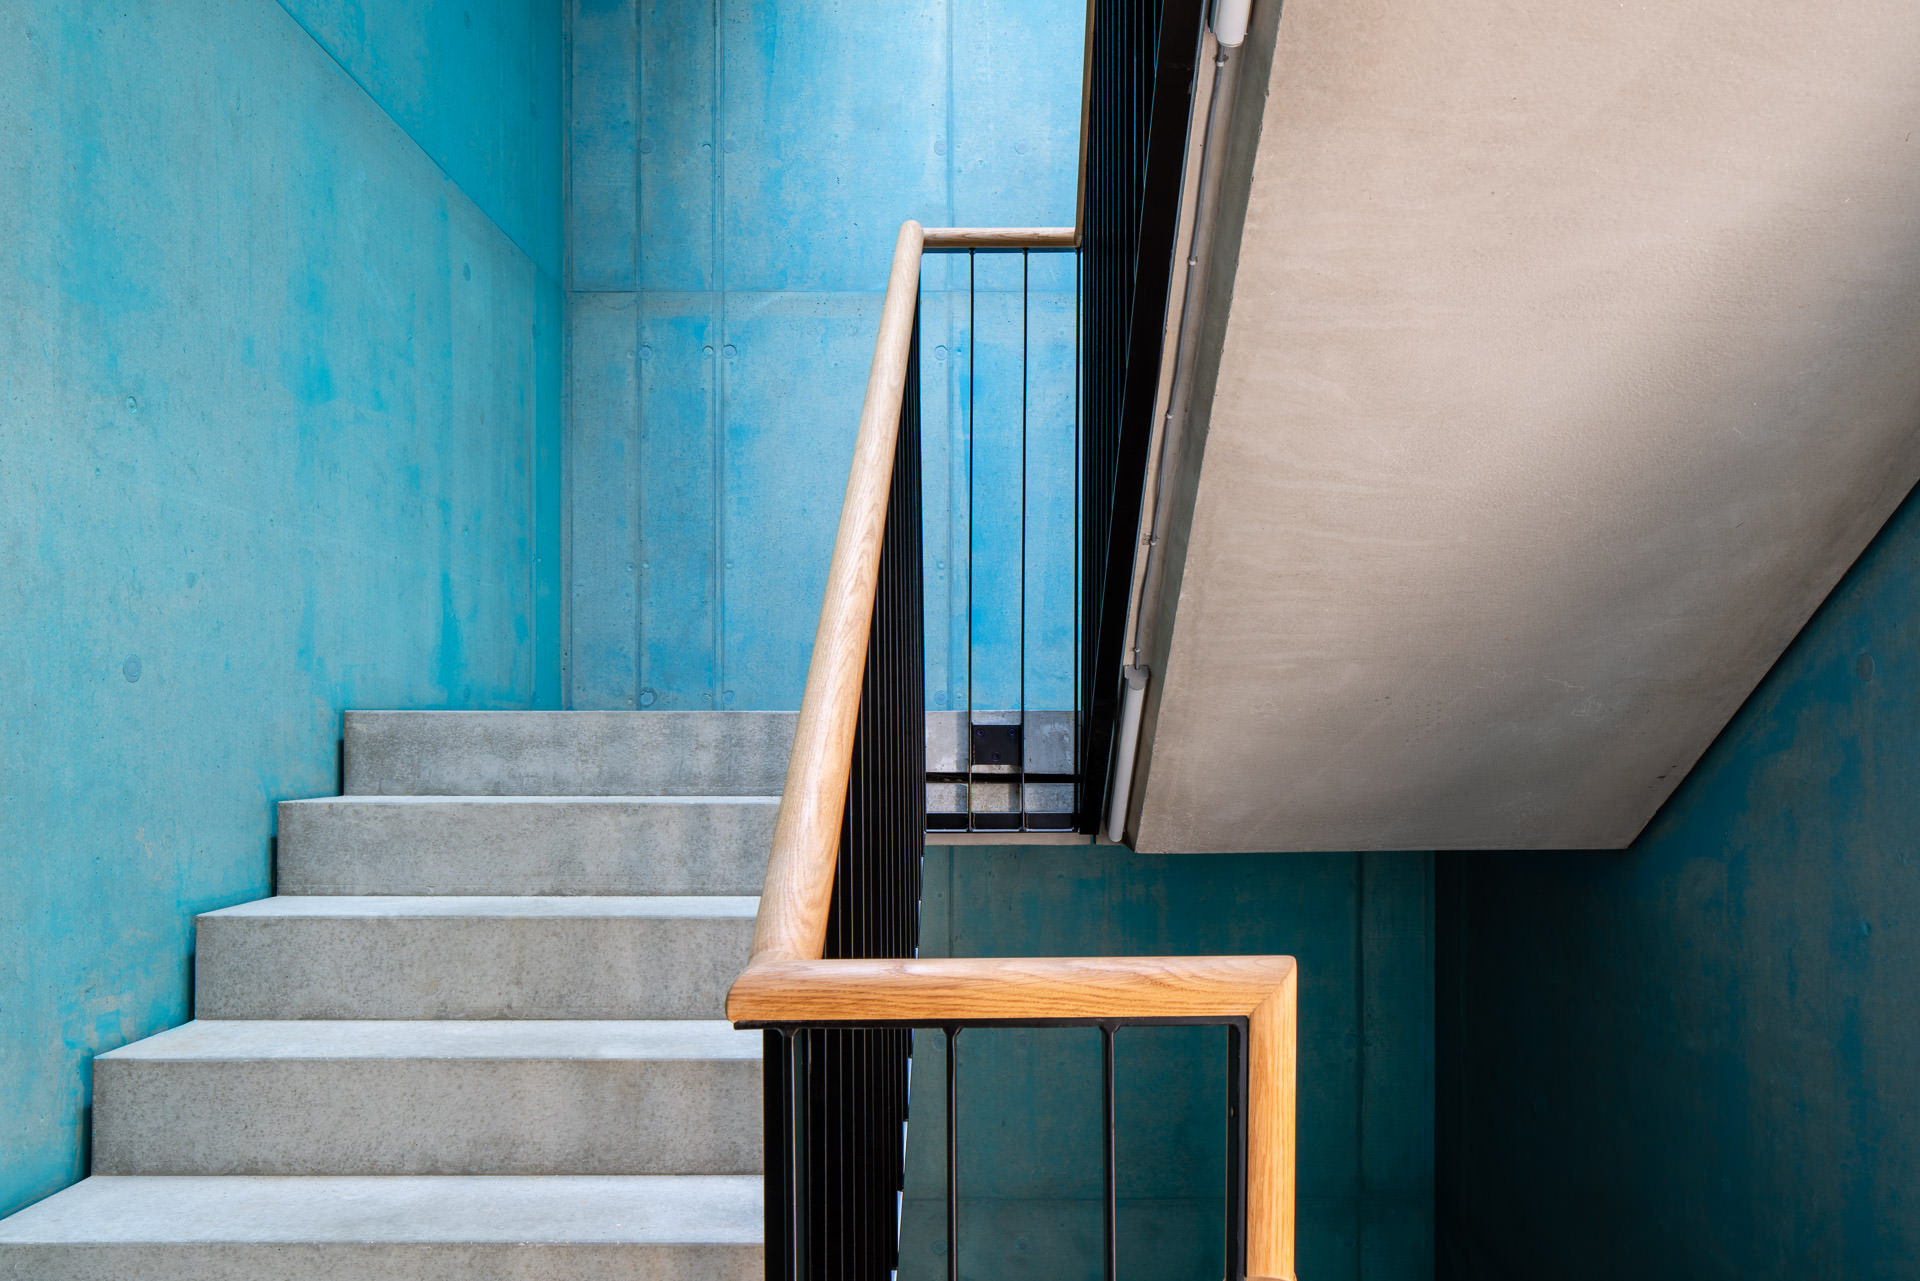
column 1002, row 237
column 792, row 924
column 787, row 982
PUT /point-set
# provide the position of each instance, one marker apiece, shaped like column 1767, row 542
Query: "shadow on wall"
column 1696, row 1059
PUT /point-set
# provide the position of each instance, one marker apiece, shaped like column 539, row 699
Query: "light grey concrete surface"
column 477, row 1036
column 567, row 753
column 420, row 1261
column 525, row 845
column 397, row 1209
column 1559, row 361
column 392, row 957
column 414, row 1097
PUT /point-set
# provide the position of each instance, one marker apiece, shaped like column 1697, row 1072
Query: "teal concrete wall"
column 279, row 421
column 1697, row 1058
column 738, row 170
column 1030, row 1177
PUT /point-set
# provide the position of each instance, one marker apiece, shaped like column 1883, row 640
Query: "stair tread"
column 348, row 906
column 336, row 1039
column 380, row 1209
column 566, row 753
column 452, row 798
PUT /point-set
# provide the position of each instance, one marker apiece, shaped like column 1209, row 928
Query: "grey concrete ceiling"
column 1572, row 355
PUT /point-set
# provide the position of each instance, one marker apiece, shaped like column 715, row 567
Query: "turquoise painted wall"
column 279, row 421
column 1697, row 1058
column 1030, row 1178
column 738, row 170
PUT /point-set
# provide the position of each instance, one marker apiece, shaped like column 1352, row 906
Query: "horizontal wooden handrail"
column 1002, row 237
column 1046, row 989
column 787, row 982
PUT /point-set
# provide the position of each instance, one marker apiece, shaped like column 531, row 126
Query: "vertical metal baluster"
column 953, row 1159
column 1108, row 1167
column 966, row 730
column 796, row 1169
column 1079, row 733
column 1236, row 1153
column 1025, row 308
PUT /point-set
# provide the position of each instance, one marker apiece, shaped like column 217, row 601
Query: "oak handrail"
column 792, row 924
column 1002, row 237
column 787, row 982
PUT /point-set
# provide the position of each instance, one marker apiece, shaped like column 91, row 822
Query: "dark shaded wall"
column 279, row 421
column 1700, row 1058
column 1029, row 1099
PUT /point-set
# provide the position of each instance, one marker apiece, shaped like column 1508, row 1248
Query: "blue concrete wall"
column 1697, row 1059
column 1030, row 1178
column 279, row 416
column 738, row 170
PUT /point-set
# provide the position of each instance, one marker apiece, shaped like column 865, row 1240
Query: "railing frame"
column 787, row 984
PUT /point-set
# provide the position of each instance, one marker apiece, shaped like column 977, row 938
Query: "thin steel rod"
column 1025, row 311
column 1107, row 1161
column 953, row 1158
column 796, row 1133
column 966, row 731
column 1236, row 1153
column 1079, row 731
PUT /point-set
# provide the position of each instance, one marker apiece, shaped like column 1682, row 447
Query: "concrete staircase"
column 477, row 1035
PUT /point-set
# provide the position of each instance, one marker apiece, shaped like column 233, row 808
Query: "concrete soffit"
column 1556, row 364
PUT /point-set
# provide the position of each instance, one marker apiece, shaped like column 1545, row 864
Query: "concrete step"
column 417, row 1097
column 390, row 957
column 567, row 753
column 525, row 845
column 695, row 1228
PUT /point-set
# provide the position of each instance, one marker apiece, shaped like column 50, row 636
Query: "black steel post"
column 953, row 1157
column 1236, row 1153
column 1109, row 1154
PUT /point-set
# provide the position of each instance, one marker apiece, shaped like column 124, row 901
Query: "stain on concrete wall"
column 738, row 170
column 1030, row 1176
column 1695, row 1059
column 278, row 419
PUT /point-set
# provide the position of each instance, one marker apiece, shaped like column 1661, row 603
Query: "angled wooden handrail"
column 787, row 982
column 792, row 925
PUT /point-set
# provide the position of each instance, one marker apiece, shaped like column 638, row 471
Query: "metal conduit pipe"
column 1230, row 29
column 1133, row 701
column 1179, row 399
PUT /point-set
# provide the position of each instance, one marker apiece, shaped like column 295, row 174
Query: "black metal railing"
column 1235, row 1225
column 1002, row 759
column 1143, row 61
column 836, row 1098
column 836, row 1212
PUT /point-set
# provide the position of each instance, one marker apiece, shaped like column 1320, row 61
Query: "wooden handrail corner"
column 787, row 983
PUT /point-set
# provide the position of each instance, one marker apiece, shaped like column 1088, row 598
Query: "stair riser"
column 473, row 967
column 350, row 1262
column 426, row 1116
column 571, row 847
column 567, row 753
